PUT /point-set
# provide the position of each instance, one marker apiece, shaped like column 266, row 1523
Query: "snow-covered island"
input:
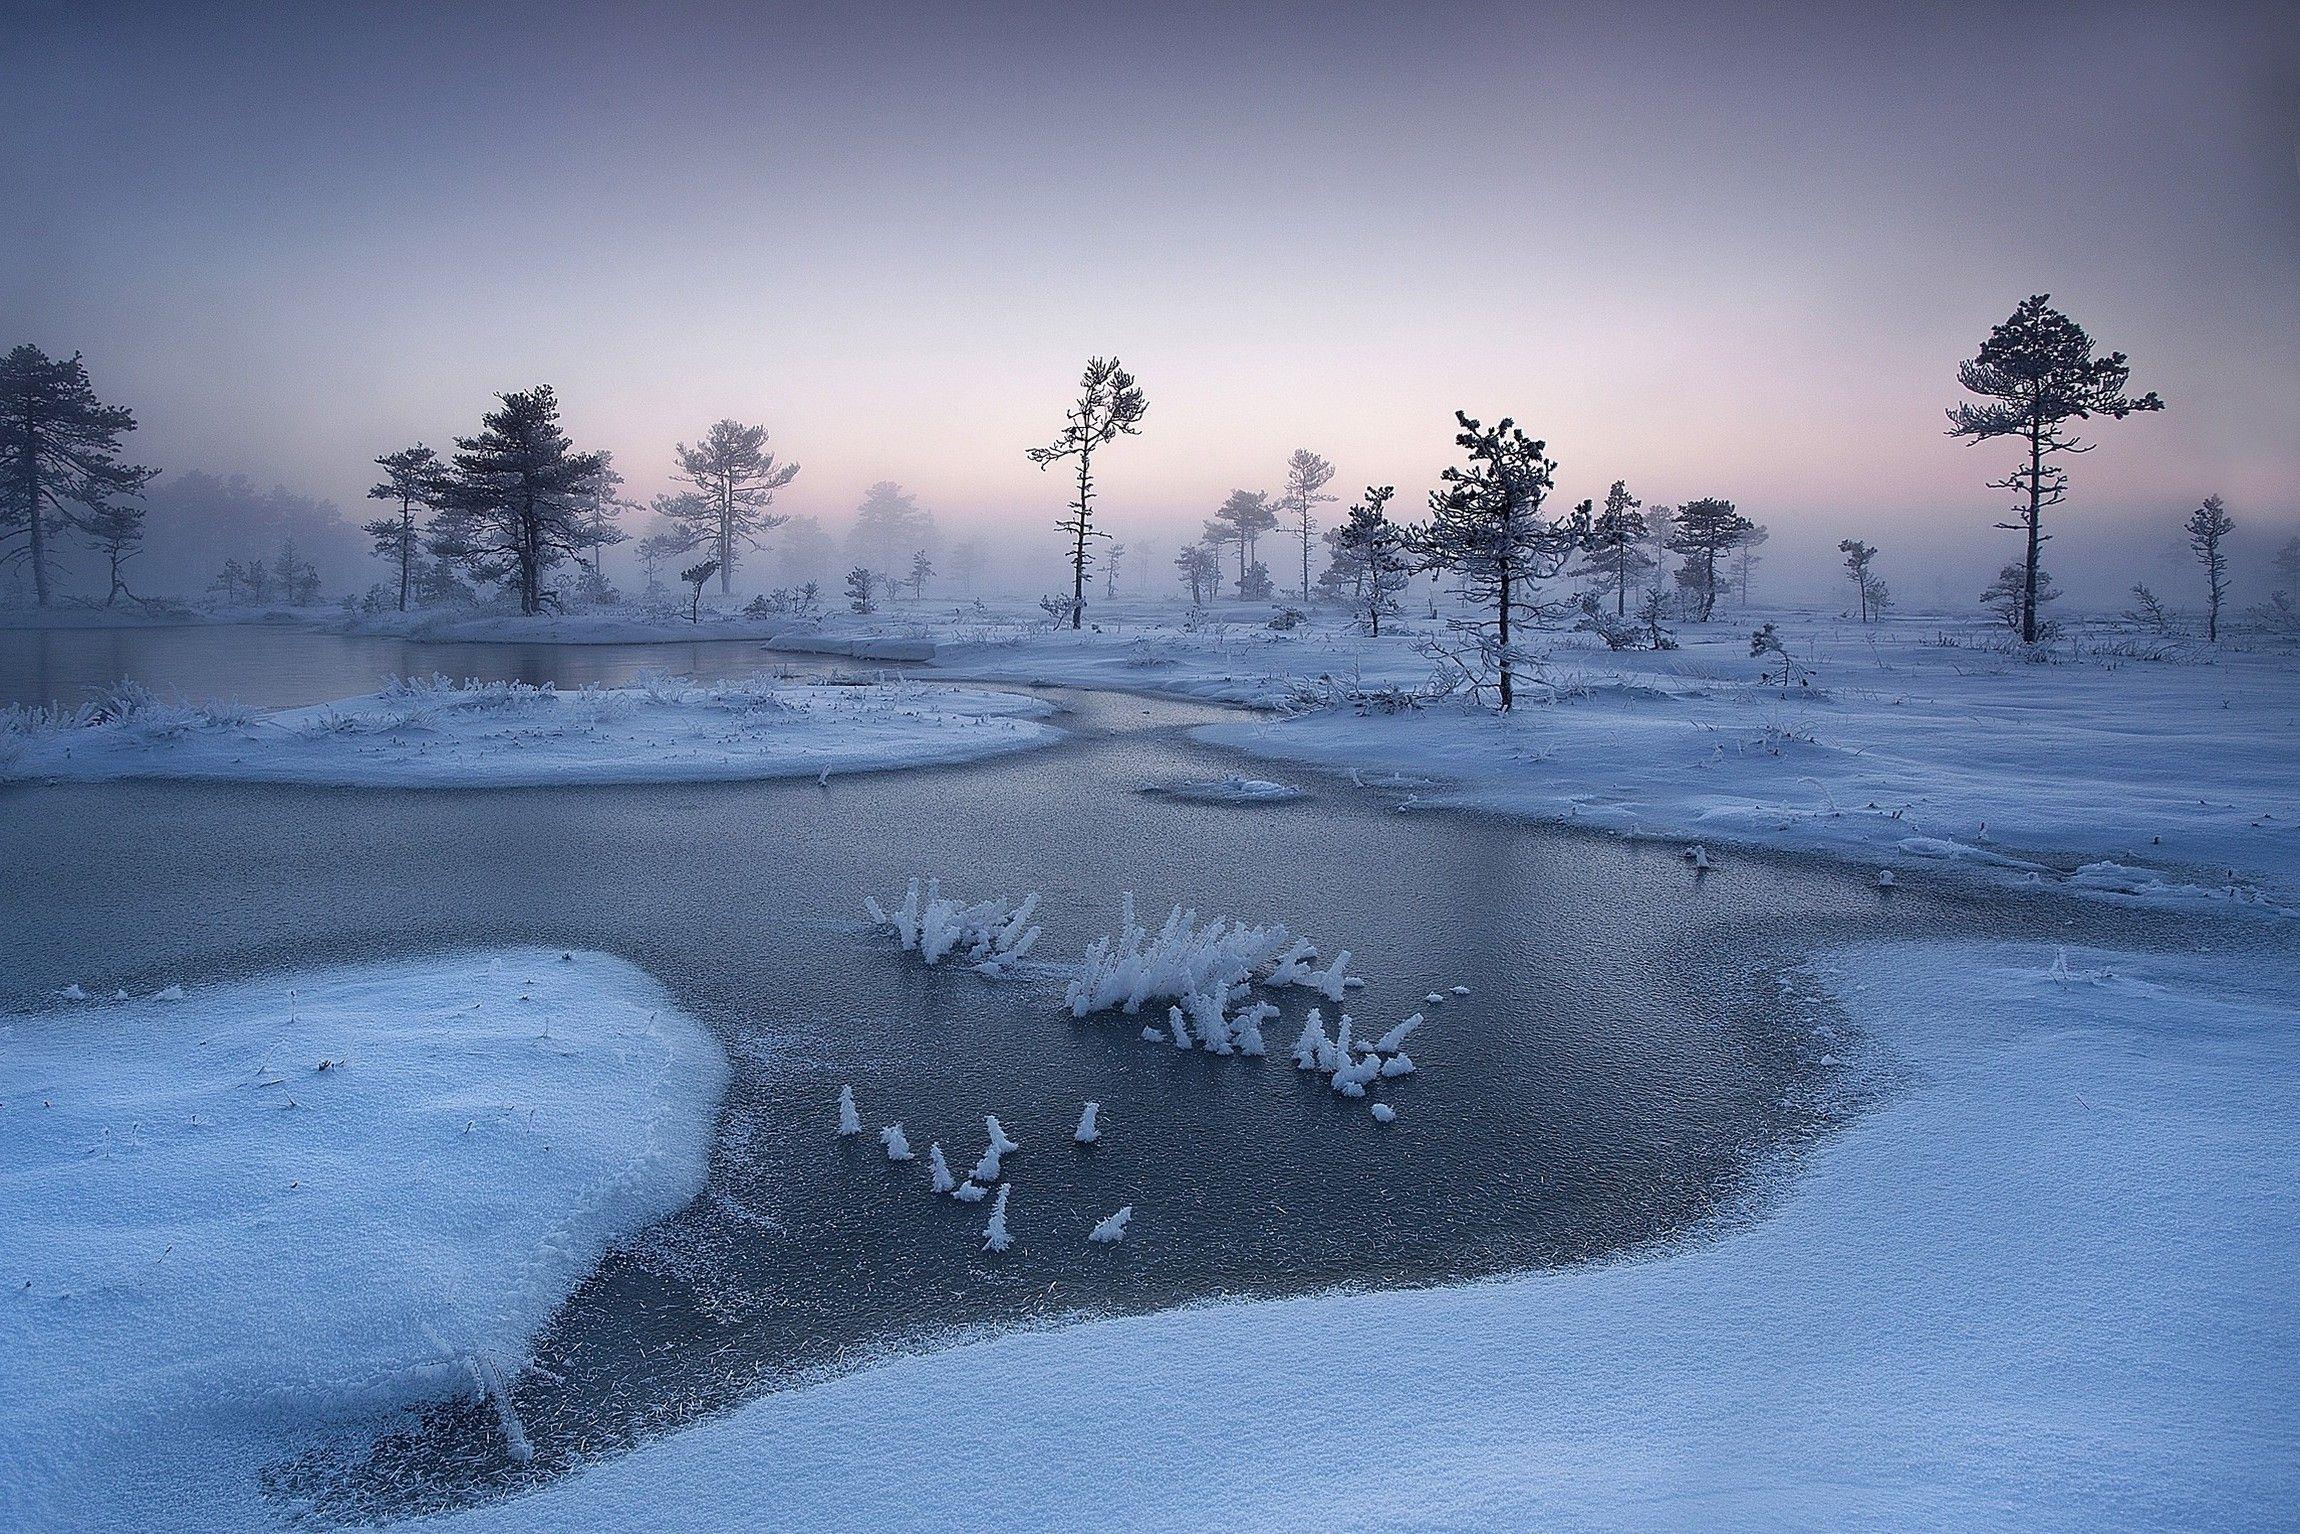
column 237, row 1213
column 2107, row 763
column 443, row 734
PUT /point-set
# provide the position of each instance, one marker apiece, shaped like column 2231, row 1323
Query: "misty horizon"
column 1308, row 230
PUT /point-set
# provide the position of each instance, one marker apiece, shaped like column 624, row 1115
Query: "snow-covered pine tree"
column 1376, row 549
column 1307, row 476
column 1707, row 530
column 1868, row 586
column 1614, row 553
column 1486, row 526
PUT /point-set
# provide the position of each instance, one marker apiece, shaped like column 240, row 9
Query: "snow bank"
column 2047, row 1287
column 2176, row 780
column 443, row 734
column 236, row 1216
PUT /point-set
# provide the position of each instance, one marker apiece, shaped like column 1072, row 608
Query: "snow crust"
column 443, row 734
column 272, row 1205
column 2045, row 1286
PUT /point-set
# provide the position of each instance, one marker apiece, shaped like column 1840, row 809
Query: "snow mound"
column 296, row 1201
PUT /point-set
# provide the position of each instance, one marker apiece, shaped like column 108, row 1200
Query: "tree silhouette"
column 1110, row 405
column 735, row 479
column 59, row 449
column 2208, row 527
column 1486, row 526
column 413, row 477
column 2035, row 374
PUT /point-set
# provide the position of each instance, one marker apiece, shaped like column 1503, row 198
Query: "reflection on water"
column 1623, row 1070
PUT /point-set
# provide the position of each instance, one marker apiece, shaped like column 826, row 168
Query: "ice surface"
column 2044, row 1286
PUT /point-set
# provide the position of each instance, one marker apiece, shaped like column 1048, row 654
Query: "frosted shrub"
column 992, row 935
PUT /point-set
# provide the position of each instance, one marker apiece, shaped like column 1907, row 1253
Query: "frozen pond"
column 1625, row 1071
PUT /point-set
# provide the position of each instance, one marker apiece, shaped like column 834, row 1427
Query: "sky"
column 1708, row 249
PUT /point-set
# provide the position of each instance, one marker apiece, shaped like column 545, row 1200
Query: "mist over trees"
column 1307, row 476
column 732, row 477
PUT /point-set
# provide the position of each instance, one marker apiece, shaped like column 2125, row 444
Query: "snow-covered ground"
column 239, row 1213
column 2048, row 1285
column 440, row 734
column 2169, row 773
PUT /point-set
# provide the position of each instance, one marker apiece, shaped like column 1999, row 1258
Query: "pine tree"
column 735, row 478
column 1706, row 530
column 1615, row 553
column 862, row 581
column 516, row 491
column 413, row 477
column 1201, row 568
column 2037, row 373
column 1868, row 586
column 889, row 527
column 1110, row 405
column 697, row 577
column 1307, row 476
column 920, row 568
column 1486, row 526
column 116, row 530
column 2015, row 596
column 1377, row 547
column 1242, row 519
column 2208, row 527
column 59, row 457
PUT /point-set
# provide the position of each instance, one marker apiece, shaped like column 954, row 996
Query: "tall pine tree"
column 1614, row 554
column 414, row 477
column 517, row 491
column 1110, row 405
column 2036, row 373
column 735, row 478
column 1707, row 531
column 59, row 459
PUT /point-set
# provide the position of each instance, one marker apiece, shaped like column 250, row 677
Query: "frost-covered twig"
column 993, row 934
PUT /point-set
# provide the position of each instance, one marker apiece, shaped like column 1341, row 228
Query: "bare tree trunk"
column 1078, row 554
column 2035, row 542
column 32, row 509
column 1507, row 696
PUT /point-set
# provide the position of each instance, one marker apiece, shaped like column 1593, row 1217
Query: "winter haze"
column 1711, row 250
